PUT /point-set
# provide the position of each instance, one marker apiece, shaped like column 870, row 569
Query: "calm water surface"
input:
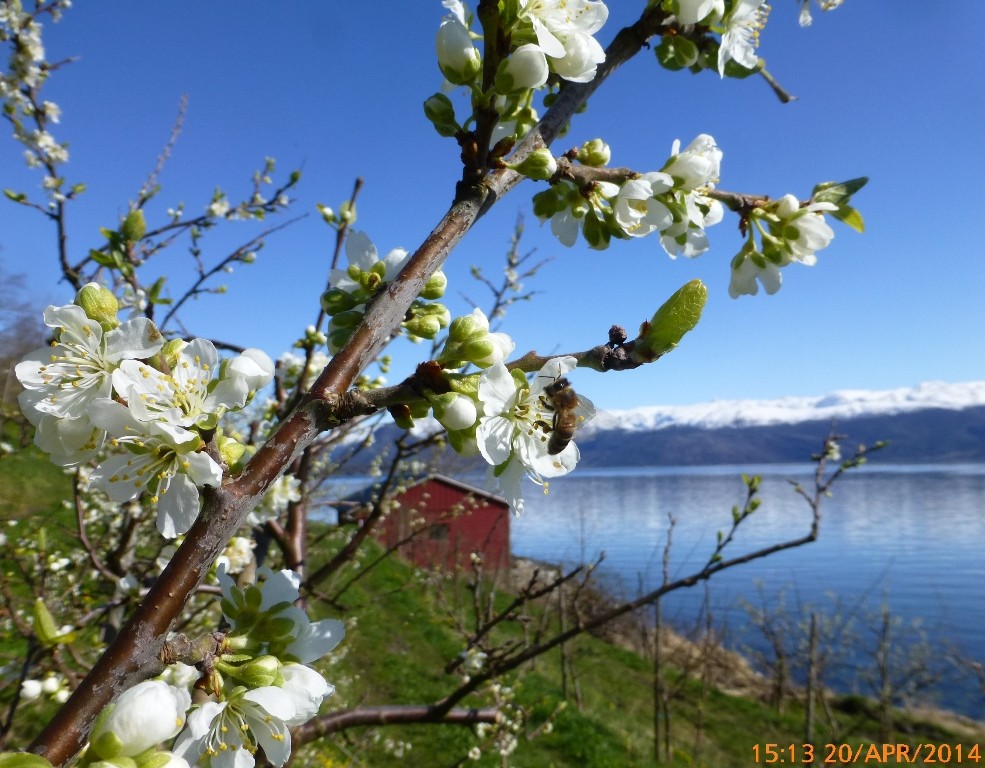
column 908, row 537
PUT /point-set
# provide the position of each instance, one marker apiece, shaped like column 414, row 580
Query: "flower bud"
column 463, row 328
column 525, row 68
column 458, row 58
column 455, row 411
column 230, row 450
column 99, row 304
column 256, row 673
column 145, row 715
column 595, row 153
column 539, row 165
column 423, row 326
column 134, row 226
column 440, row 111
column 434, row 288
column 171, row 350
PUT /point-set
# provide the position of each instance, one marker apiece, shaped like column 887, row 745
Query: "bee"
column 561, row 398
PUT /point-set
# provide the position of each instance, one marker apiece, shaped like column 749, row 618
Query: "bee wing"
column 585, row 410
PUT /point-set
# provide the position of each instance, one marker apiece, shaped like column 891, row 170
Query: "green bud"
column 335, row 300
column 230, row 450
column 479, row 349
column 539, row 165
column 326, row 213
column 465, row 327
column 171, row 350
column 596, row 233
column 349, row 319
column 99, row 304
column 595, row 153
column 440, row 111
column 134, row 226
column 679, row 314
column 423, row 326
column 434, row 288
column 257, row 673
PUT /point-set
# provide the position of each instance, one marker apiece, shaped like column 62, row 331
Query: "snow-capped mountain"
column 932, row 422
column 837, row 406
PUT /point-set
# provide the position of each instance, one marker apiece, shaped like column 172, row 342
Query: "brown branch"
column 391, row 715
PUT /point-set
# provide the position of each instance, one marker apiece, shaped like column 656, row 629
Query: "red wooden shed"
column 453, row 520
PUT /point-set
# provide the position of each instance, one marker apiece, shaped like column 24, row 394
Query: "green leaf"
column 154, row 293
column 837, row 192
column 17, row 197
column 850, row 216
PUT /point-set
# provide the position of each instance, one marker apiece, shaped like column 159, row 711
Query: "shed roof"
column 364, row 496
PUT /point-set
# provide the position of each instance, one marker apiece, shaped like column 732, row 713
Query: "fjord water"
column 909, row 537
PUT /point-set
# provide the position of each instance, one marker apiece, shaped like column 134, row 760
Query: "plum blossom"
column 803, row 229
column 747, row 269
column 158, row 456
column 637, row 210
column 77, row 369
column 189, row 395
column 226, row 734
column 305, row 641
column 515, row 427
column 741, row 35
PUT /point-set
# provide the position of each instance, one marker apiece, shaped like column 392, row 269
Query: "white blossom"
column 144, row 715
column 742, row 35
column 515, row 427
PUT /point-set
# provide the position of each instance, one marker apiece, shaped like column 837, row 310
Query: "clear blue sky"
column 884, row 91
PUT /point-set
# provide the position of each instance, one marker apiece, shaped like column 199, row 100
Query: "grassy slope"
column 402, row 639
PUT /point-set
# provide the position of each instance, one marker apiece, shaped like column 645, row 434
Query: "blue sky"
column 335, row 89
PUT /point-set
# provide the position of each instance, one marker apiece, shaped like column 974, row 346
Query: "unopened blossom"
column 741, row 35
column 523, row 69
column 515, row 427
column 693, row 11
column 695, row 167
column 582, row 55
column 143, row 716
column 458, row 58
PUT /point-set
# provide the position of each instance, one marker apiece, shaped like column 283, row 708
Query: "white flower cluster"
column 544, row 37
column 790, row 232
column 258, row 688
column 671, row 202
column 103, row 386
